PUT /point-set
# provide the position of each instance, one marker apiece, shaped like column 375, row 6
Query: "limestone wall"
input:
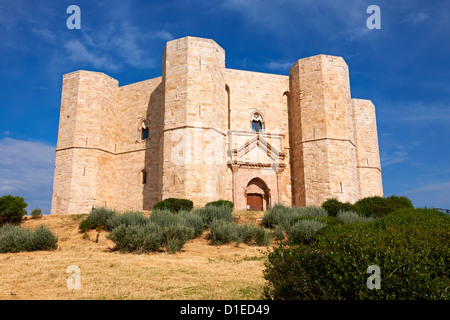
column 88, row 104
column 368, row 155
column 195, row 120
column 266, row 94
column 324, row 159
column 199, row 116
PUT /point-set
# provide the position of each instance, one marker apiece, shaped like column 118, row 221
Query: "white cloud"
column 26, row 170
column 432, row 195
column 77, row 52
column 163, row 35
column 416, row 18
column 416, row 112
column 44, row 34
column 279, row 66
column 396, row 157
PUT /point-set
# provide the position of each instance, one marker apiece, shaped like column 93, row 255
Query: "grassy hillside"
column 199, row 271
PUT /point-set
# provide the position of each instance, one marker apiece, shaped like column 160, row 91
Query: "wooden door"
column 254, row 202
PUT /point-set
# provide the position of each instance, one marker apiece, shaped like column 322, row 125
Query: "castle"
column 205, row 132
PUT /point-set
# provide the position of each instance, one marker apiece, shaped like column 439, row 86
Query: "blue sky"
column 403, row 68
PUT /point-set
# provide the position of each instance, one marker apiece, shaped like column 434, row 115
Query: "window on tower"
column 145, row 131
column 256, row 126
column 257, row 123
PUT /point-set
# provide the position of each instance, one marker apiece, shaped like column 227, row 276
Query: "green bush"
column 303, row 231
column 220, row 203
column 395, row 202
column 275, row 215
column 174, row 205
column 97, row 218
column 262, row 237
column 137, row 238
column 129, row 218
column 372, row 207
column 309, row 211
column 12, row 209
column 287, row 216
column 165, row 218
column 36, row 213
column 211, row 213
column 352, row 217
column 223, row 232
column 333, row 206
column 176, row 236
column 246, row 233
column 410, row 247
column 15, row 239
column 278, row 233
column 330, row 221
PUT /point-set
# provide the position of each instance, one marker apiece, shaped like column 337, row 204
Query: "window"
column 256, row 126
column 144, row 177
column 145, row 131
column 145, row 134
column 257, row 122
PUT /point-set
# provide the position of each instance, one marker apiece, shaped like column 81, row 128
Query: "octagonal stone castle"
column 205, row 132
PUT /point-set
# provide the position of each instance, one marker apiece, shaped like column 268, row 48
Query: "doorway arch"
column 257, row 195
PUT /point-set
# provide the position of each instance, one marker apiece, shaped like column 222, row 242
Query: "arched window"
column 257, row 122
column 145, row 131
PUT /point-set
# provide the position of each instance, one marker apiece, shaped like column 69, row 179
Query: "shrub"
column 130, row 218
column 274, row 215
column 176, row 236
column 86, row 225
column 174, row 205
column 36, row 213
column 262, row 237
column 330, row 221
column 222, row 232
column 193, row 221
column 220, row 203
column 246, row 233
column 303, row 231
column 97, row 218
column 287, row 216
column 165, row 218
column 137, row 238
column 15, row 239
column 410, row 247
column 278, row 233
column 12, row 209
column 352, row 217
column 309, row 211
column 333, row 206
column 211, row 213
column 395, row 202
column 372, row 207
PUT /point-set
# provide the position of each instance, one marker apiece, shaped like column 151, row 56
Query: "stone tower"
column 84, row 172
column 323, row 140
column 195, row 120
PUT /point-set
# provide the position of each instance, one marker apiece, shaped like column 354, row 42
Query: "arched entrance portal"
column 257, row 194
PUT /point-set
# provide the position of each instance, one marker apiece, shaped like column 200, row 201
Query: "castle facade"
column 205, row 132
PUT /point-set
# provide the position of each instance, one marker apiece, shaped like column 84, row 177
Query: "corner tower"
column 86, row 138
column 323, row 143
column 195, row 121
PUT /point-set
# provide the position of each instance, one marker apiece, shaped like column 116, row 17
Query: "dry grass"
column 200, row 271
